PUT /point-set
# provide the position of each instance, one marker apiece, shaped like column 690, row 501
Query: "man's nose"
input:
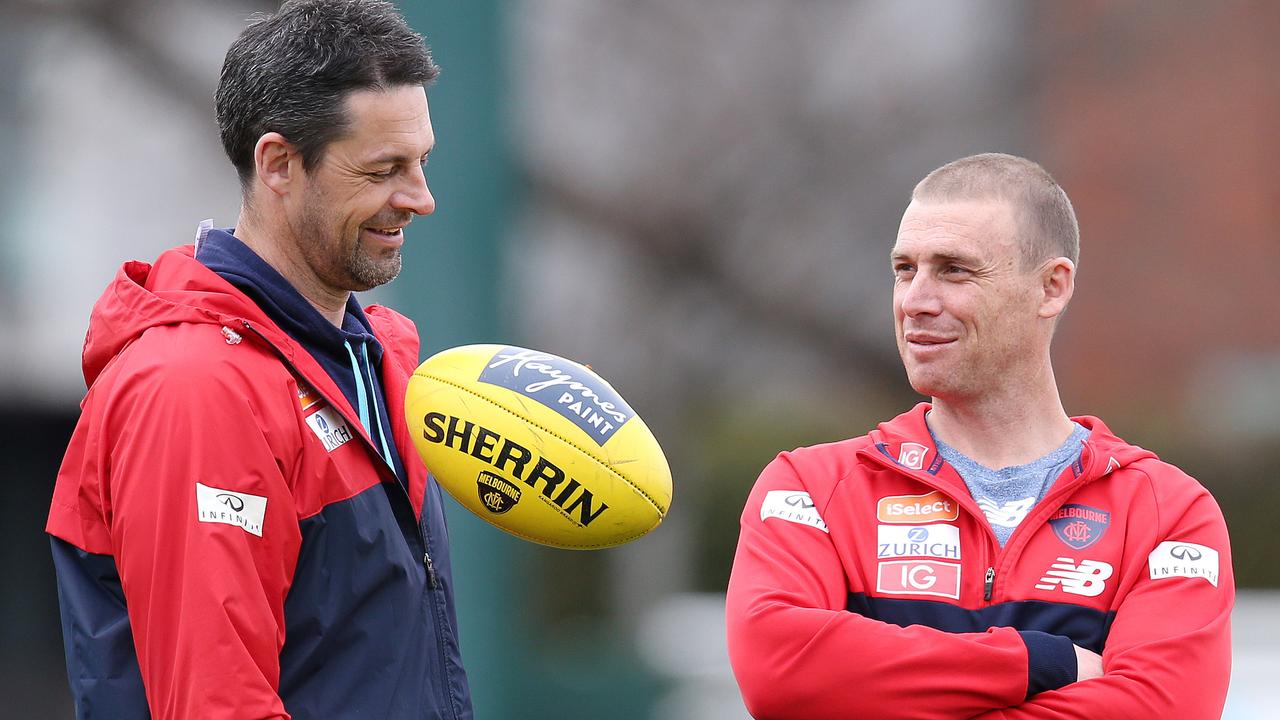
column 415, row 196
column 919, row 296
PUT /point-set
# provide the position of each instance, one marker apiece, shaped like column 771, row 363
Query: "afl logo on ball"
column 496, row 493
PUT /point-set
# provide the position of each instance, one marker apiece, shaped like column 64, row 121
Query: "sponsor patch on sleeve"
column 1172, row 558
column 231, row 508
column 793, row 506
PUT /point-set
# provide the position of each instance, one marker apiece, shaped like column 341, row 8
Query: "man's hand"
column 1088, row 664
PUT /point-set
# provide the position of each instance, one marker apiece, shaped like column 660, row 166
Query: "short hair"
column 1047, row 225
column 291, row 73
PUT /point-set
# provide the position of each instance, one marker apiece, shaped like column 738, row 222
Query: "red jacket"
column 227, row 537
column 868, row 584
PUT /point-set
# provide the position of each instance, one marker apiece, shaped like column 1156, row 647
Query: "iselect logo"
column 916, row 509
column 231, row 508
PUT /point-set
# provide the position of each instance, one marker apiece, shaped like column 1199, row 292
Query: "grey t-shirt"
column 1008, row 494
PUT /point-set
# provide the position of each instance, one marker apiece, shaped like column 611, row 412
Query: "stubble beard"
column 342, row 261
column 368, row 272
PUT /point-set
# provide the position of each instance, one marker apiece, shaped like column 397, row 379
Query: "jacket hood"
column 175, row 289
column 907, row 440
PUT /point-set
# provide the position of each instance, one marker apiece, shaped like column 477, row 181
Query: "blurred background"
column 698, row 199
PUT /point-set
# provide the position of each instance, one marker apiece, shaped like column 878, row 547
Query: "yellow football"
column 537, row 445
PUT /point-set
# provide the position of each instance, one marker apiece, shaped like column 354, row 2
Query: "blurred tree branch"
column 131, row 29
column 680, row 249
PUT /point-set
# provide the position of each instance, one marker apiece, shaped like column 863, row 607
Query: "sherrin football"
column 537, row 445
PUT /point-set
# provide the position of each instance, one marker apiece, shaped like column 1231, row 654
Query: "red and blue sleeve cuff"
column 1051, row 661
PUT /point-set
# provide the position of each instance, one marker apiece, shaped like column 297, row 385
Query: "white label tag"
column 1183, row 559
column 793, row 506
column 231, row 508
column 330, row 427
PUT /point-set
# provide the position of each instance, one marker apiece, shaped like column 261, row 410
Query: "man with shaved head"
column 983, row 555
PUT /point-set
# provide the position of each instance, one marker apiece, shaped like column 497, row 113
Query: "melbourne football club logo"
column 1079, row 526
column 496, row 493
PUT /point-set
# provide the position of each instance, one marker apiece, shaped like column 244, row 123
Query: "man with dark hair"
column 241, row 528
column 983, row 555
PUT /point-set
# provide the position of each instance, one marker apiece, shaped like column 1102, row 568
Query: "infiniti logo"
column 1175, row 559
column 229, row 507
column 793, row 506
column 799, row 500
column 231, row 501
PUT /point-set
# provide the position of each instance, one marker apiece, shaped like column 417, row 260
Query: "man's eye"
column 383, row 175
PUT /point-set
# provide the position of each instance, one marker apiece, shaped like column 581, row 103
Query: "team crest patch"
column 1079, row 526
column 497, row 494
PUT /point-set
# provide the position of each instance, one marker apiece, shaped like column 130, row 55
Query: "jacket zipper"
column 1045, row 507
column 432, row 579
column 989, row 580
column 431, row 568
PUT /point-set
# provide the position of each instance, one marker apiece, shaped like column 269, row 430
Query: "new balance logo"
column 1010, row 514
column 1089, row 578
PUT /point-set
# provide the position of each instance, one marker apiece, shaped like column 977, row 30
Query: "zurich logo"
column 918, row 534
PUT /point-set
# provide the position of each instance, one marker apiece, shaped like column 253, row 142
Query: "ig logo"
column 912, row 455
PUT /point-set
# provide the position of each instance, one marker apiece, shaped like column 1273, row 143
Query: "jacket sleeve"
column 798, row 653
column 1168, row 653
column 204, row 570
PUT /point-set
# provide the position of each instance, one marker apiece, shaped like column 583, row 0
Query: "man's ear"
column 1057, row 283
column 276, row 162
